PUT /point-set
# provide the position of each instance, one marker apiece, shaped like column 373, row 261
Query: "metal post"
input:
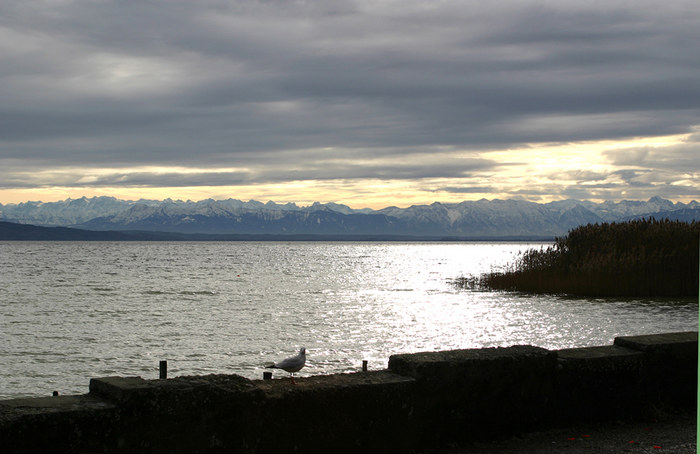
column 163, row 369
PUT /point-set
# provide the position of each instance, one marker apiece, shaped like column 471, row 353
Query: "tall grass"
column 636, row 258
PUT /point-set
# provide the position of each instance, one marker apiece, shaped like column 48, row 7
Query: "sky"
column 368, row 103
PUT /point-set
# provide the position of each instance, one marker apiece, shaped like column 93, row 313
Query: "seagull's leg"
column 291, row 375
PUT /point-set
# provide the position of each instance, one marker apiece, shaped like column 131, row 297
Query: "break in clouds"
column 251, row 92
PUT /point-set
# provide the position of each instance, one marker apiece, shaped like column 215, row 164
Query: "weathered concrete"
column 211, row 413
column 422, row 400
column 58, row 424
column 481, row 393
column 683, row 343
column 598, row 382
column 342, row 413
column 669, row 368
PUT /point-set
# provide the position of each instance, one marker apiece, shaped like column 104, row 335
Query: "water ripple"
column 72, row 311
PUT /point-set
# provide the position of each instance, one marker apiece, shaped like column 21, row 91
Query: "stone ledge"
column 594, row 353
column 55, row 424
column 136, row 390
column 595, row 383
column 281, row 387
column 54, row 404
column 358, row 412
column 427, row 364
column 655, row 342
column 479, row 393
column 608, row 357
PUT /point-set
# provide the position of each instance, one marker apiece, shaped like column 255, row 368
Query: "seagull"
column 291, row 364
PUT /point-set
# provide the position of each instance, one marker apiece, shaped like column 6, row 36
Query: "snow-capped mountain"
column 214, row 217
column 494, row 218
column 66, row 212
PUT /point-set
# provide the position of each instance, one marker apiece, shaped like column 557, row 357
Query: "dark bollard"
column 364, row 365
column 55, row 393
column 267, row 375
column 163, row 369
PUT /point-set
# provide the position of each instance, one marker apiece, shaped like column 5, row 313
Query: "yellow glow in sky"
column 537, row 173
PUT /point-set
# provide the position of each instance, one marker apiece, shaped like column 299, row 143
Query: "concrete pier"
column 422, row 400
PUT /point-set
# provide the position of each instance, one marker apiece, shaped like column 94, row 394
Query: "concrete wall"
column 421, row 400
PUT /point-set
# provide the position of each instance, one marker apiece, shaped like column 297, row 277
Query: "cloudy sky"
column 370, row 102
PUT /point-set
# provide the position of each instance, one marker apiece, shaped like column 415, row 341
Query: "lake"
column 70, row 311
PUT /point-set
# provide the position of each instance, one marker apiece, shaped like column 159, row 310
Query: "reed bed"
column 646, row 257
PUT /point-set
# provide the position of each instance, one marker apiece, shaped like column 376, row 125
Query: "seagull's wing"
column 293, row 364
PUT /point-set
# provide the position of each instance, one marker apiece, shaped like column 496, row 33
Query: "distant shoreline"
column 10, row 231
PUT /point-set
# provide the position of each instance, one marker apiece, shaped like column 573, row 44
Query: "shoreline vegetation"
column 646, row 257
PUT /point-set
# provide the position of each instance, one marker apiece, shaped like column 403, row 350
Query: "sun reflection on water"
column 232, row 307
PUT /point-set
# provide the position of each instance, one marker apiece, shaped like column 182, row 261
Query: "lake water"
column 72, row 311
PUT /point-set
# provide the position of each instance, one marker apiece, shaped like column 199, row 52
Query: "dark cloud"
column 261, row 169
column 683, row 158
column 236, row 84
column 633, row 192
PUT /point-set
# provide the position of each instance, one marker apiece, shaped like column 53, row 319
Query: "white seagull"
column 291, row 364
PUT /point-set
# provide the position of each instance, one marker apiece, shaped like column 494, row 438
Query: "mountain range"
column 473, row 219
